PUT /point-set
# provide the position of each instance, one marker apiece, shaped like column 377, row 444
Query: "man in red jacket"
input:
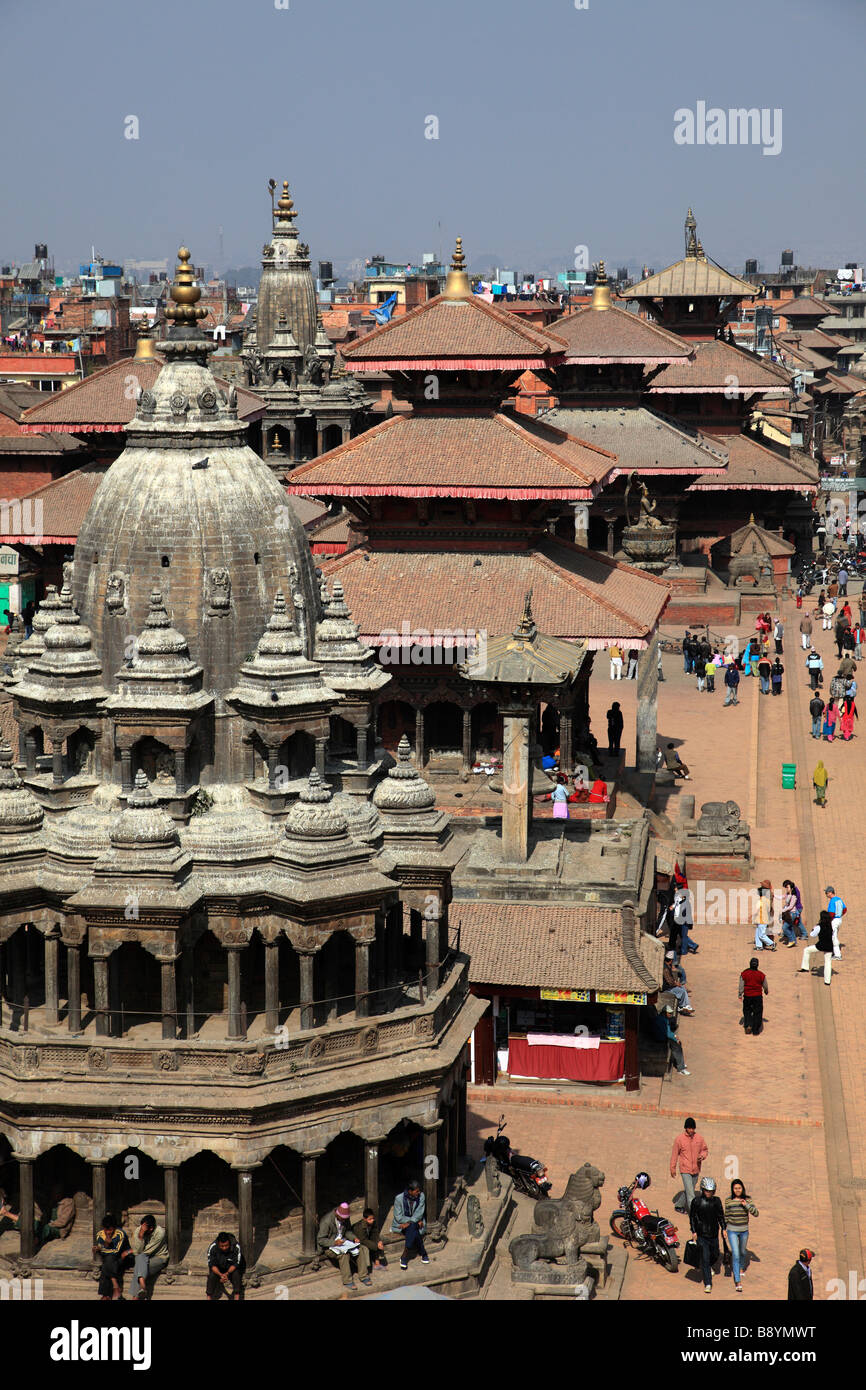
column 689, row 1150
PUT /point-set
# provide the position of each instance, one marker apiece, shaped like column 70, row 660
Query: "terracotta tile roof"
column 614, row 335
column 839, row 384
column 644, row 441
column 692, row 276
column 65, row 503
column 750, row 536
column 814, row 338
column 449, row 331
column 554, row 946
column 331, row 537
column 754, row 466
column 576, row 593
column 800, row 352
column 466, row 454
column 714, row 364
column 805, row 306
column 105, row 401
column 14, row 400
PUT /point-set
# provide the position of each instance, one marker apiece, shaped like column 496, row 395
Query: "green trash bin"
column 789, row 776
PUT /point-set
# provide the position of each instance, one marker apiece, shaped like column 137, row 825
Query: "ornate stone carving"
column 563, row 1233
column 146, row 403
column 68, row 574
column 474, row 1219
column 166, row 1061
column 370, row 1040
column 179, row 404
column 220, row 591
column 30, row 1059
column 315, row 1049
column 249, row 1064
column 97, row 1059
column 424, row 1026
column 115, row 593
column 207, row 400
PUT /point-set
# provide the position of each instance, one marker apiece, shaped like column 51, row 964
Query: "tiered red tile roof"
column 65, row 503
column 576, row 593
column 752, row 465
column 614, row 335
column 462, row 454
column 720, row 367
column 452, row 334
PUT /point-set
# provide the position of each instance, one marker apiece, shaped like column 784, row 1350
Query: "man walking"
column 778, row 635
column 837, row 908
column 816, row 712
column 689, row 1151
column 843, row 582
column 824, row 933
column 764, row 671
column 707, row 1219
column 806, row 631
column 814, row 665
column 753, row 987
column 615, row 654
column 800, row 1279
column 682, row 913
column 732, row 682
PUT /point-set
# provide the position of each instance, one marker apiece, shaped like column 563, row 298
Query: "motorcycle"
column 650, row 1233
column 529, row 1175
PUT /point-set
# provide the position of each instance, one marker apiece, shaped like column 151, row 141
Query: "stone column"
column 172, row 1213
column 453, row 1141
column 126, row 769
column 57, row 762
column 394, row 945
column 30, row 753
column 361, row 746
column 646, row 732
column 467, row 741
column 431, row 1169
column 306, row 959
column 431, row 929
column 321, row 748
column 168, row 983
column 100, row 992
column 581, row 523
column 516, row 783
column 320, row 434
column 371, row 1174
column 311, row 1219
column 25, row 1207
column 272, row 986
column 566, row 741
column 273, row 755
column 180, row 771
column 245, row 1213
column 610, row 529
column 52, row 995
column 235, row 1029
column 362, row 979
column 419, row 739
column 98, row 1198
column 73, row 988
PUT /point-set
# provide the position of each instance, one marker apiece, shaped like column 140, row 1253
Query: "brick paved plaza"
column 784, row 1110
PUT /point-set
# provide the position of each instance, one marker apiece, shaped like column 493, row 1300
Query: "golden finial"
column 699, row 252
column 144, row 347
column 285, row 207
column 751, row 518
column 457, row 285
column 185, row 293
column 601, row 291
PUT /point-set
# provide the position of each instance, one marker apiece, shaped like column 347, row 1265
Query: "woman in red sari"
column 847, row 715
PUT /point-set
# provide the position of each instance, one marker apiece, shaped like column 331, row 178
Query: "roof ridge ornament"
column 457, row 284
column 601, row 292
column 691, row 235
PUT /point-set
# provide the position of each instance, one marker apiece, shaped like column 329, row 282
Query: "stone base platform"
column 727, row 868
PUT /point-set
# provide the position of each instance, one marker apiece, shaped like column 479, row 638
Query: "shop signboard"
column 576, row 996
column 619, row 996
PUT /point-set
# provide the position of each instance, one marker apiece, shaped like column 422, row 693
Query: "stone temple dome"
column 189, row 508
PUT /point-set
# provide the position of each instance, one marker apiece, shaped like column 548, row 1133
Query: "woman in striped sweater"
column 738, row 1209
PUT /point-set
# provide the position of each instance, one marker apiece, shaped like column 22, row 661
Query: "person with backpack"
column 777, row 671
column 707, row 1220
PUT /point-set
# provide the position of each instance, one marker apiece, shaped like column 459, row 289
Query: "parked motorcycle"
column 529, row 1175
column 650, row 1233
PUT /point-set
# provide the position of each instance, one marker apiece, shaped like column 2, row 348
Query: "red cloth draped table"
column 565, row 1058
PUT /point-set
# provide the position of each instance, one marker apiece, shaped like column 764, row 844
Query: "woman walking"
column 819, row 782
column 847, row 715
column 738, row 1208
column 763, row 918
column 831, row 719
column 792, row 913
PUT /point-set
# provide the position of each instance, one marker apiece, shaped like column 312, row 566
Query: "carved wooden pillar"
column 73, row 988
column 453, row 1140
column 100, row 995
column 467, row 740
column 52, row 984
column 419, row 738
column 168, row 983
column 311, row 1220
column 431, row 1169
column 331, row 979
column 171, row 1197
column 245, row 1213
column 566, row 741
column 306, row 959
column 26, row 1208
column 362, row 979
column 235, row 1029
column 272, row 986
column 115, row 999
column 320, row 435
column 371, row 1174
column 431, row 928
column 97, row 1191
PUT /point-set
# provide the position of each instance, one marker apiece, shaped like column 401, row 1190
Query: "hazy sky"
column 555, row 127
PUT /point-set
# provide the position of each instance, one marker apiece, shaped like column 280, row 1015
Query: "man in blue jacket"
column 732, row 681
column 409, row 1217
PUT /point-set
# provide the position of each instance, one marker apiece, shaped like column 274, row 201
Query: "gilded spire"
column 457, row 285
column 285, row 207
column 185, row 293
column 601, row 291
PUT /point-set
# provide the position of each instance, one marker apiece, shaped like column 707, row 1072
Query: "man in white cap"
column 337, row 1241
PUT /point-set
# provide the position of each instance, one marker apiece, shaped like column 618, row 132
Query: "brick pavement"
column 767, row 1103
